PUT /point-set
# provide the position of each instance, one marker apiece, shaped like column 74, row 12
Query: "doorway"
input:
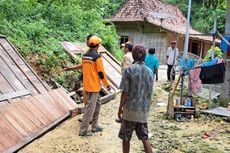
column 195, row 48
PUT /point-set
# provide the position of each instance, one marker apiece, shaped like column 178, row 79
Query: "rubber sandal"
column 85, row 134
column 80, row 120
column 118, row 120
column 98, row 129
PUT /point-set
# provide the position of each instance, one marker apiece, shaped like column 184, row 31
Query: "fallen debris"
column 219, row 111
column 28, row 107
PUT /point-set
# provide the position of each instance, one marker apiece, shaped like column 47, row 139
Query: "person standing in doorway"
column 128, row 58
column 152, row 62
column 93, row 73
column 136, row 87
column 171, row 59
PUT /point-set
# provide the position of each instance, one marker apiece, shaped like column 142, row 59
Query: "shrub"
column 37, row 27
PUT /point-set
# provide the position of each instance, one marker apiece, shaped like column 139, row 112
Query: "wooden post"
column 170, row 107
column 225, row 92
column 201, row 53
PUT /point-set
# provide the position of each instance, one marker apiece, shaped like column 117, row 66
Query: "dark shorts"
column 128, row 127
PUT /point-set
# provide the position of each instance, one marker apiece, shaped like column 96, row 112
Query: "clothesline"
column 195, row 67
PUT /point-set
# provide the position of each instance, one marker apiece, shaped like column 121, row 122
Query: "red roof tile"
column 155, row 11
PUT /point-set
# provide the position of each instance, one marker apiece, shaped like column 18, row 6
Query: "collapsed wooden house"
column 28, row 107
column 111, row 65
column 155, row 24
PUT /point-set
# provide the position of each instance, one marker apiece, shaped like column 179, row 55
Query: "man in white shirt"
column 171, row 57
column 128, row 58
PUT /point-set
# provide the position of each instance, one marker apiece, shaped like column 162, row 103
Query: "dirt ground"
column 167, row 136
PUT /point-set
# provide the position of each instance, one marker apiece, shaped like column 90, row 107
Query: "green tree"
column 36, row 28
column 203, row 13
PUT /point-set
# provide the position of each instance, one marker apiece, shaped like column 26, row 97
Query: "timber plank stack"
column 111, row 64
column 28, row 107
column 112, row 68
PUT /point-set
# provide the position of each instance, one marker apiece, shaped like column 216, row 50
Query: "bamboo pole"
column 187, row 31
column 213, row 52
column 185, row 55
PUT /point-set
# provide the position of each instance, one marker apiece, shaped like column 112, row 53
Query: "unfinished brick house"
column 155, row 24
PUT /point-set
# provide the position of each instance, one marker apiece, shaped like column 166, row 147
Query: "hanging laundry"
column 210, row 62
column 190, row 63
column 194, row 80
column 223, row 45
column 220, row 61
column 213, row 74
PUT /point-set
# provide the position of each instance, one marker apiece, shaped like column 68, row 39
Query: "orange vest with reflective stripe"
column 93, row 72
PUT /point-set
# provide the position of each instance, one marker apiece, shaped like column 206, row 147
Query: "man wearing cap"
column 171, row 57
column 136, row 87
column 128, row 59
column 93, row 74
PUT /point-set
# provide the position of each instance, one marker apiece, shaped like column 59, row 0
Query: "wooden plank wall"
column 16, row 75
column 156, row 40
column 24, row 120
column 145, row 33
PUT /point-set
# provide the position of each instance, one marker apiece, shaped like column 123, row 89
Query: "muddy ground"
column 167, row 136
